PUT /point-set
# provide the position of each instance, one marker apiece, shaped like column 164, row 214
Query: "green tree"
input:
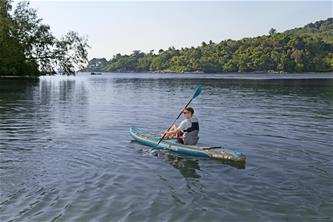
column 27, row 47
column 272, row 31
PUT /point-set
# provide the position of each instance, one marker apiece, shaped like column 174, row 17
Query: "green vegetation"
column 27, row 46
column 307, row 49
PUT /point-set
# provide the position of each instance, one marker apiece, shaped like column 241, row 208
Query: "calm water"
column 65, row 153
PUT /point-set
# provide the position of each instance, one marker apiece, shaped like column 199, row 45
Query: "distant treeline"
column 27, row 46
column 307, row 49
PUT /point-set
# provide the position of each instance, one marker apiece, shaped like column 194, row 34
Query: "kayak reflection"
column 187, row 166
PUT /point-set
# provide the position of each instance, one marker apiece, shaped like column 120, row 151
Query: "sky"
column 120, row 27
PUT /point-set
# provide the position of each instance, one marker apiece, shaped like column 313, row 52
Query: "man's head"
column 188, row 112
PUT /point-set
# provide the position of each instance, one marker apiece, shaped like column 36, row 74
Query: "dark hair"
column 190, row 109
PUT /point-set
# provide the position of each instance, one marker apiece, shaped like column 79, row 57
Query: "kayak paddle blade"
column 197, row 92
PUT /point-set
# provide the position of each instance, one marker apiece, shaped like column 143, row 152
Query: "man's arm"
column 183, row 125
column 172, row 132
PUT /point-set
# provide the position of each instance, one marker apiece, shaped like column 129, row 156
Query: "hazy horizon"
column 120, row 27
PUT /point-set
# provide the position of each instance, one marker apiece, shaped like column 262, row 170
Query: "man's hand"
column 165, row 132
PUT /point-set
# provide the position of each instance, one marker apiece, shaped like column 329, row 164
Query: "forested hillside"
column 306, row 49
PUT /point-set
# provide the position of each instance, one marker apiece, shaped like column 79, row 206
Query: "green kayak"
column 216, row 152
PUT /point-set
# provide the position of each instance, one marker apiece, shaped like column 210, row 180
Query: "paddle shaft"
column 174, row 121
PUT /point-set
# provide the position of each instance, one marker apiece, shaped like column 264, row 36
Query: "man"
column 188, row 130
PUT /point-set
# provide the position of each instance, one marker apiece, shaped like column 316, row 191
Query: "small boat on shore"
column 95, row 73
column 216, row 152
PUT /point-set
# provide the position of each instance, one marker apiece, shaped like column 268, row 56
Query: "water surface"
column 65, row 153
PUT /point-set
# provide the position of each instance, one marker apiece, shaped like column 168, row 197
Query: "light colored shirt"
column 190, row 138
column 187, row 123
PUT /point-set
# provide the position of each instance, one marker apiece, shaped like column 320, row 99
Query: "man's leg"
column 180, row 138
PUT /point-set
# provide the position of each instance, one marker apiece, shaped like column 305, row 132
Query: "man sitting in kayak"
column 188, row 130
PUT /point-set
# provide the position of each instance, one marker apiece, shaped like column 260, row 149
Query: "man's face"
column 187, row 114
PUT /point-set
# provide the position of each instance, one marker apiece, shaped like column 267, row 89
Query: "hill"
column 306, row 49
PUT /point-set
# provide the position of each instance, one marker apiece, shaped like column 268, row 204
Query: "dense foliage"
column 27, row 47
column 307, row 49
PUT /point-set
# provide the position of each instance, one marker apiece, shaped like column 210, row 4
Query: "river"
column 65, row 152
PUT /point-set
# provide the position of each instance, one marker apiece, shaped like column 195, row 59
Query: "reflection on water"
column 65, row 153
column 187, row 166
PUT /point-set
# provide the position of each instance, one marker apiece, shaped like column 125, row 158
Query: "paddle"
column 195, row 95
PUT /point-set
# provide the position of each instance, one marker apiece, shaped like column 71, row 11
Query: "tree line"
column 27, row 46
column 306, row 49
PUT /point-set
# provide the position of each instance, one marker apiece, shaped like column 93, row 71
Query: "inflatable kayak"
column 217, row 152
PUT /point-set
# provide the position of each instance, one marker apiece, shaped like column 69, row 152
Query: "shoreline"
column 19, row 77
column 244, row 74
column 219, row 73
